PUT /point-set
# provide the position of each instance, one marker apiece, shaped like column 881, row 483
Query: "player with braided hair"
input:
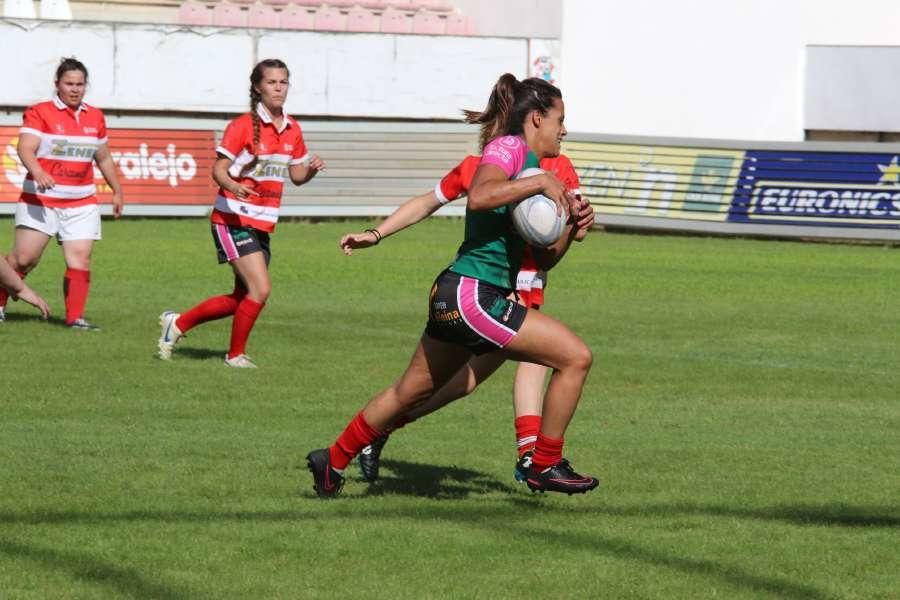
column 259, row 150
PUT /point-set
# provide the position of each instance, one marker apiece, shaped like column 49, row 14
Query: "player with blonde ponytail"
column 258, row 151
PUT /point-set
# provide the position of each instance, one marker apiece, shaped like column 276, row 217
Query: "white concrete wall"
column 171, row 68
column 705, row 68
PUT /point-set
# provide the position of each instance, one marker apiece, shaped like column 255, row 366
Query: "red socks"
column 547, row 452
column 76, row 285
column 217, row 307
column 244, row 319
column 4, row 294
column 357, row 436
column 527, row 428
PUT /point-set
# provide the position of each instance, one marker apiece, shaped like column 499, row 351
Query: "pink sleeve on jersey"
column 234, row 139
column 507, row 152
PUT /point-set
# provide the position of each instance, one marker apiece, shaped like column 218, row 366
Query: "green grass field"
column 743, row 414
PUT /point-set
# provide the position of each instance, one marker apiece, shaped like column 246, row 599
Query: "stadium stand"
column 229, row 15
column 359, row 19
column 423, row 17
column 428, row 23
column 262, row 16
column 295, row 17
column 194, row 13
column 395, row 21
column 329, row 18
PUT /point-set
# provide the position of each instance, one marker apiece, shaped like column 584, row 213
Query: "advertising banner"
column 819, row 188
column 155, row 166
column 657, row 181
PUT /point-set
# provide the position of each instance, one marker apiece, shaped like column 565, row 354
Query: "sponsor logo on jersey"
column 60, row 148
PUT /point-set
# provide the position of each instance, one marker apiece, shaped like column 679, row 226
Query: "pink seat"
column 314, row 3
column 242, row 1
column 374, row 4
column 395, row 21
column 458, row 25
column 360, row 19
column 345, row 4
column 329, row 19
column 405, row 5
column 428, row 23
column 229, row 15
column 276, row 2
column 436, row 5
column 295, row 17
column 194, row 13
column 260, row 15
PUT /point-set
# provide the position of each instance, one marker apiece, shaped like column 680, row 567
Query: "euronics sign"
column 669, row 184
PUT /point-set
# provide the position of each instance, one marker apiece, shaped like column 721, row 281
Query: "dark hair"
column 70, row 63
column 255, row 77
column 510, row 102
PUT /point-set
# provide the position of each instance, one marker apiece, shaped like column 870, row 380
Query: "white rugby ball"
column 535, row 217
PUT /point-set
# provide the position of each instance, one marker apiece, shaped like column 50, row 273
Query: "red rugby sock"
column 76, row 284
column 527, row 429
column 244, row 319
column 217, row 307
column 547, row 452
column 355, row 437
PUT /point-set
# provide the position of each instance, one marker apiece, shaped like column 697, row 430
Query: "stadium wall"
column 733, row 70
column 824, row 190
column 171, row 68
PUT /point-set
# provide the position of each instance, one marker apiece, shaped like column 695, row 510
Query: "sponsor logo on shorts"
column 444, row 316
column 508, row 312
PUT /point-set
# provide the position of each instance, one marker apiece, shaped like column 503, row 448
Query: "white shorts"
column 79, row 223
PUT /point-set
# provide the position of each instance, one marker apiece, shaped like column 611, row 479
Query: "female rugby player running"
column 258, row 150
column 528, row 385
column 469, row 309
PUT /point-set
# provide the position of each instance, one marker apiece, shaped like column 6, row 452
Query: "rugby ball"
column 535, row 217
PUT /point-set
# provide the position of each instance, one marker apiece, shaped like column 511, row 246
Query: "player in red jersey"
column 59, row 143
column 259, row 150
column 528, row 386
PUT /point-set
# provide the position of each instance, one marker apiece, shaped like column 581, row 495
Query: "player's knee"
column 582, row 358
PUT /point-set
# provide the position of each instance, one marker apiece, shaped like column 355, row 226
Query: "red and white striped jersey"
column 456, row 183
column 69, row 141
column 276, row 152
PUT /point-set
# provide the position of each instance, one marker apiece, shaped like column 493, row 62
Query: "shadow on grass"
column 454, row 484
column 126, row 581
column 36, row 316
column 198, row 353
column 432, row 481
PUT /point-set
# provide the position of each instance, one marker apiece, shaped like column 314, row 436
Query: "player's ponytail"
column 531, row 94
column 493, row 119
column 510, row 104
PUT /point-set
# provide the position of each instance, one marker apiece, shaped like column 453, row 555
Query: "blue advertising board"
column 835, row 189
